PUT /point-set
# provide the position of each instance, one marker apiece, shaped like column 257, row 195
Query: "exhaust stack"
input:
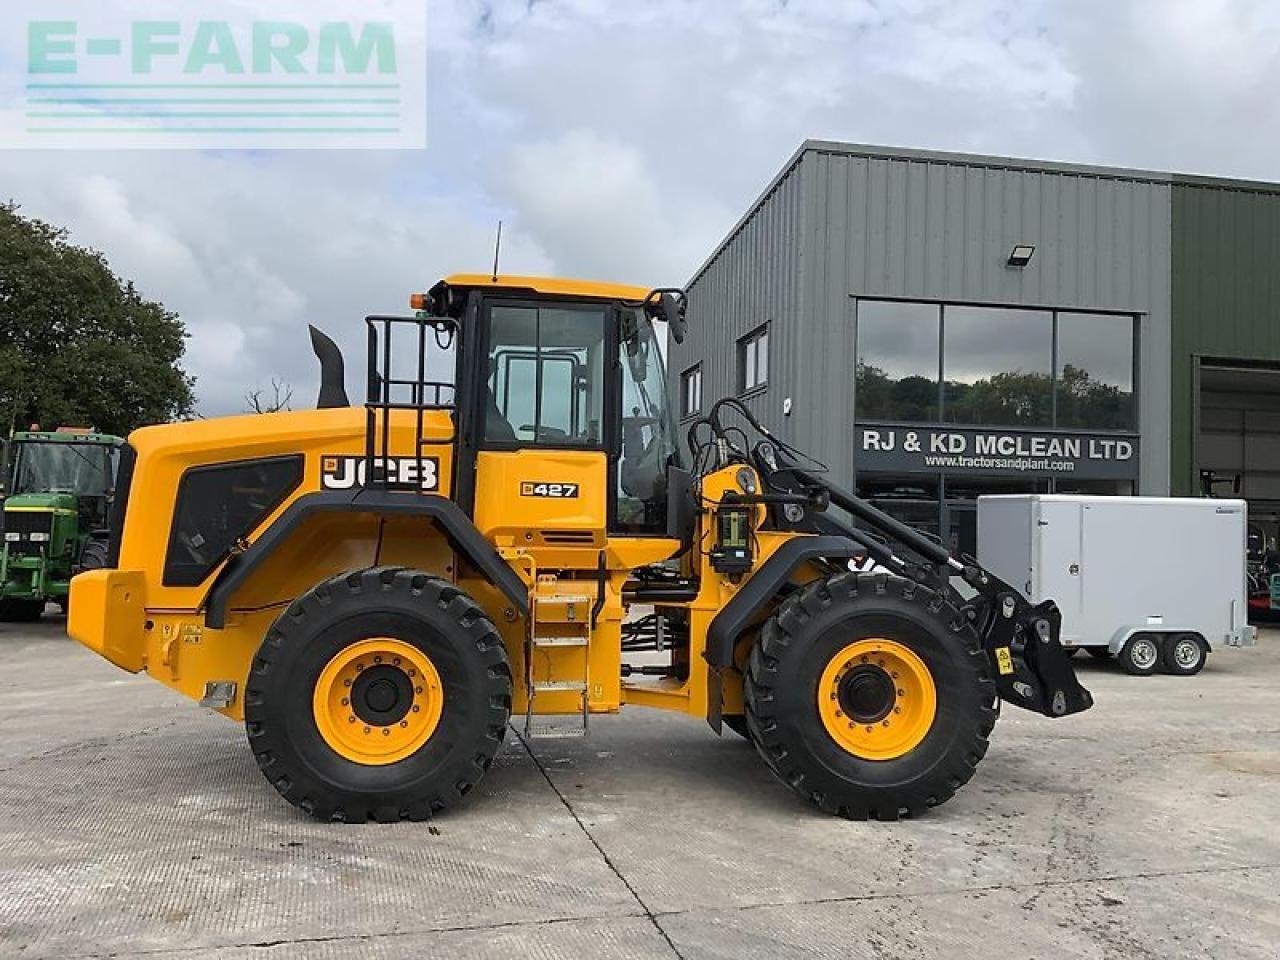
column 333, row 390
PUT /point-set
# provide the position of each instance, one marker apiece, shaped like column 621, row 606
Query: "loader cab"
column 563, row 420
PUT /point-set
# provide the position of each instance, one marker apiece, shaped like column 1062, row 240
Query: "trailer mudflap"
column 1030, row 667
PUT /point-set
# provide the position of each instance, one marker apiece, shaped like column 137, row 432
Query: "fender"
column 457, row 527
column 763, row 585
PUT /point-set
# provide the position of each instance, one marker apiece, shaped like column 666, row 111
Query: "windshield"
column 648, row 432
column 84, row 469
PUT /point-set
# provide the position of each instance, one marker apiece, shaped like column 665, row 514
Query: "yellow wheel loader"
column 509, row 525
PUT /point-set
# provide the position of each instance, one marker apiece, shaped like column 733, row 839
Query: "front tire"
column 1140, row 655
column 379, row 694
column 870, row 696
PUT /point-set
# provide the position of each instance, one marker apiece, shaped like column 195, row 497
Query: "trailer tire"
column 807, row 684
column 1140, row 655
column 379, row 694
column 1185, row 654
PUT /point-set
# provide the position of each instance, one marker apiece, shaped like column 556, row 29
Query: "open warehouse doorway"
column 1238, row 455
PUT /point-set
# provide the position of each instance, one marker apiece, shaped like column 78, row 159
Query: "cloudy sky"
column 621, row 140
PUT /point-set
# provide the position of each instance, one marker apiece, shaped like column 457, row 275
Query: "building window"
column 1094, row 376
column 997, row 366
column 753, row 360
column 691, row 391
column 896, row 376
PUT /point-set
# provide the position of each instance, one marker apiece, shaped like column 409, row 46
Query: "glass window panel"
column 896, row 374
column 997, row 366
column 1095, row 371
column 762, row 358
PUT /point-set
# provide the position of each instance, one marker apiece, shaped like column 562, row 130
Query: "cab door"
column 542, row 463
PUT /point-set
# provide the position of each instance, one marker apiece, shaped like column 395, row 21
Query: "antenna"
column 497, row 250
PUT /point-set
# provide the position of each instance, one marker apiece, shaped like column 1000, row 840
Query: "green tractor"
column 58, row 486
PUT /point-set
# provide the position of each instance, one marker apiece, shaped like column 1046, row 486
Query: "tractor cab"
column 58, row 487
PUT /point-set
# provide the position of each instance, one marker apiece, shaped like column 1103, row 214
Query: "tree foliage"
column 1006, row 399
column 78, row 345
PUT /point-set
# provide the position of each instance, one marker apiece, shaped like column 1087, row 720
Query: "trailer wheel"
column 379, row 694
column 870, row 696
column 1185, row 654
column 1140, row 654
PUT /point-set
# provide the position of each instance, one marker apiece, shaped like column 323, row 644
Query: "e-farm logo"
column 222, row 74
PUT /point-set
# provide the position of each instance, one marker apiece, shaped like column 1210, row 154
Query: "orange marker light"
column 418, row 301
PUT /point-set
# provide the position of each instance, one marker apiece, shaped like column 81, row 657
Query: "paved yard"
column 134, row 824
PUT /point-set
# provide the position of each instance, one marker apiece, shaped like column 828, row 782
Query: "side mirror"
column 673, row 313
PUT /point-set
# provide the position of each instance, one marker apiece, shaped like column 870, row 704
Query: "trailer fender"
column 764, row 585
column 1124, row 633
column 457, row 527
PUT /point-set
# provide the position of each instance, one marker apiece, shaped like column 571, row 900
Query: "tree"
column 256, row 401
column 79, row 345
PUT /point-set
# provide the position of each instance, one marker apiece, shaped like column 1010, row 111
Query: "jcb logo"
column 557, row 491
column 344, row 473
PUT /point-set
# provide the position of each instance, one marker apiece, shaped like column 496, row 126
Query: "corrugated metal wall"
column 942, row 230
column 857, row 221
column 1226, row 295
column 753, row 279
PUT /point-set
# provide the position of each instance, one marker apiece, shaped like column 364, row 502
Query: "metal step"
column 559, row 686
column 542, row 730
column 561, row 641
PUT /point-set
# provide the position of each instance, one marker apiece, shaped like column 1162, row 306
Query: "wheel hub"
column 378, row 701
column 877, row 699
column 867, row 693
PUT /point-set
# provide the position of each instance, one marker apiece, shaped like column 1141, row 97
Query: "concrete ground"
column 132, row 823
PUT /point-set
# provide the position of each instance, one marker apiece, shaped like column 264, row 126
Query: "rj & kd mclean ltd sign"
column 910, row 448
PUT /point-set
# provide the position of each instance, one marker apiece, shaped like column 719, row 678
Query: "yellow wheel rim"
column 877, row 699
column 378, row 701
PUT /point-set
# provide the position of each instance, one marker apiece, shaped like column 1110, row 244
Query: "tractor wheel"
column 1185, row 654
column 21, row 610
column 737, row 723
column 379, row 694
column 94, row 555
column 1140, row 654
column 870, row 696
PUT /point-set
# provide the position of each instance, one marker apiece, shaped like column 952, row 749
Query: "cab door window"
column 545, row 382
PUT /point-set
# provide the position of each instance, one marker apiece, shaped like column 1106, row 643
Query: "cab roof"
column 551, row 286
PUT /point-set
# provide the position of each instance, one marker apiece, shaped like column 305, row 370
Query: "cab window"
column 545, row 381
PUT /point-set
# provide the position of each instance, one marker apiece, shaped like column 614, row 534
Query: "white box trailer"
column 1155, row 581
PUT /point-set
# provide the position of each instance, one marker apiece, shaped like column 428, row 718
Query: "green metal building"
column 936, row 326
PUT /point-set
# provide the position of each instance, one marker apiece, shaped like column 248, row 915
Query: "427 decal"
column 556, row 491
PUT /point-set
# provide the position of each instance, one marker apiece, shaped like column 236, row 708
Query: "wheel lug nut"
column 351, row 719
column 404, row 723
column 417, row 689
column 366, row 729
column 884, row 723
column 416, row 708
column 346, row 683
column 902, row 693
column 396, row 661
column 871, row 729
column 386, row 731
column 345, row 701
column 377, row 659
column 897, row 709
column 413, row 673
column 839, row 714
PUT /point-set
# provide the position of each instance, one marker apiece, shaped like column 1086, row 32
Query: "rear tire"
column 876, row 647
column 1140, row 655
column 21, row 610
column 409, row 737
column 1185, row 654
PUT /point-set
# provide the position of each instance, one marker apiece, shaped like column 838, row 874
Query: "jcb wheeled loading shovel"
column 1030, row 668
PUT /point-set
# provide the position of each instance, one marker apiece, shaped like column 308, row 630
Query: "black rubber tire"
column 94, row 555
column 414, row 607
column 795, row 646
column 21, row 610
column 737, row 723
column 1099, row 653
column 1133, row 646
column 1170, row 654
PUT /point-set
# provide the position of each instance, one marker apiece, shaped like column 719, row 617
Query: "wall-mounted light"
column 1021, row 254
